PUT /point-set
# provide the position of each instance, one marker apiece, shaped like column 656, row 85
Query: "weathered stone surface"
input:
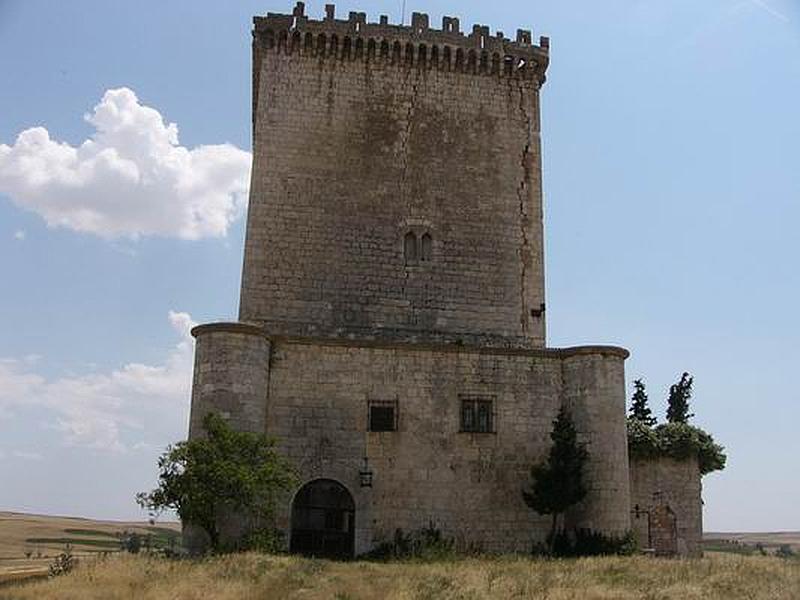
column 666, row 482
column 352, row 152
column 368, row 139
column 231, row 375
column 468, row 484
column 594, row 392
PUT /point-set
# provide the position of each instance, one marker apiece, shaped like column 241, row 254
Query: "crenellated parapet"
column 417, row 45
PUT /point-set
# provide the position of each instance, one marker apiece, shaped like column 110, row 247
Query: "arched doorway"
column 323, row 520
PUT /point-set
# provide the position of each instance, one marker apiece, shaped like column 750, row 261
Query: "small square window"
column 477, row 414
column 382, row 416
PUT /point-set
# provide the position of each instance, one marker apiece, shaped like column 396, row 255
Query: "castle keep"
column 391, row 331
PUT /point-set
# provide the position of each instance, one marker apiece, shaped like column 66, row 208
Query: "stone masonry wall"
column 468, row 484
column 594, row 392
column 231, row 375
column 352, row 152
column 680, row 487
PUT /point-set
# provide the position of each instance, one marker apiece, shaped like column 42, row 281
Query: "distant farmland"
column 28, row 543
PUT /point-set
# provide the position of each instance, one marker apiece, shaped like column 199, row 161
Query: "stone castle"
column 391, row 332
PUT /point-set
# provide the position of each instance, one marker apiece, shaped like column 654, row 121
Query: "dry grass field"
column 718, row 576
column 251, row 577
column 28, row 543
column 770, row 541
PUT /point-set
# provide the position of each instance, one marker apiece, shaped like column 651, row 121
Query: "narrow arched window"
column 410, row 248
column 427, row 247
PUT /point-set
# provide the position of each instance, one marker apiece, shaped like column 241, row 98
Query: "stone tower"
column 397, row 189
column 392, row 317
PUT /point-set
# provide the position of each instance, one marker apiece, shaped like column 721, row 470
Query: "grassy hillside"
column 718, row 577
column 29, row 542
column 749, row 543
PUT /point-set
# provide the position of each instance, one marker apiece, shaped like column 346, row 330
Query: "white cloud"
column 19, row 235
column 110, row 411
column 131, row 179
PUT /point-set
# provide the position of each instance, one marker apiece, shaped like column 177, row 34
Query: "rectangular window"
column 382, row 416
column 477, row 414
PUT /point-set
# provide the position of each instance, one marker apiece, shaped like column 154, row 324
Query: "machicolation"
column 448, row 49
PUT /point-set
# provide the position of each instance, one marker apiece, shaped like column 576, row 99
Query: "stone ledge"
column 240, row 328
column 613, row 351
column 256, row 330
column 602, row 350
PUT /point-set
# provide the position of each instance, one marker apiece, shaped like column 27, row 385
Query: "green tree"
column 557, row 483
column 224, row 472
column 678, row 401
column 640, row 409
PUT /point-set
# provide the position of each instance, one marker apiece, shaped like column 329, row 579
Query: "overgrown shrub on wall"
column 676, row 439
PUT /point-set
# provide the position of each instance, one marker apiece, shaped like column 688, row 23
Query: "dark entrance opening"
column 323, row 521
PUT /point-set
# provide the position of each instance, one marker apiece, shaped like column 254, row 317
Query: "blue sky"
column 671, row 143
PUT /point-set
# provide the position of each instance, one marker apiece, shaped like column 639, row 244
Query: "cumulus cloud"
column 109, row 411
column 19, row 235
column 132, row 178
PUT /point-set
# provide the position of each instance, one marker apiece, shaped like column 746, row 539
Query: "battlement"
column 448, row 49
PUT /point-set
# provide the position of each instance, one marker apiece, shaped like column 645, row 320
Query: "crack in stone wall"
column 406, row 136
column 522, row 189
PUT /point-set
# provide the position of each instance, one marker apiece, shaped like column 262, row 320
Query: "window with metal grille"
column 477, row 414
column 382, row 416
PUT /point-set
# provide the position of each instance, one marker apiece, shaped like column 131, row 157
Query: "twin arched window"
column 417, row 249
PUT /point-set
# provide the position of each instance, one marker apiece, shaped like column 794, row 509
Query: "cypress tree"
column 557, row 483
column 678, row 401
column 639, row 405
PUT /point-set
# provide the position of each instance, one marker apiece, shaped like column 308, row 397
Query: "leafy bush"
column 131, row 542
column 675, row 440
column 63, row 563
column 587, row 542
column 426, row 544
column 643, row 441
column 266, row 540
column 227, row 471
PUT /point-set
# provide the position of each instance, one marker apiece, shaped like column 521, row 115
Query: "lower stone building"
column 447, row 433
column 667, row 507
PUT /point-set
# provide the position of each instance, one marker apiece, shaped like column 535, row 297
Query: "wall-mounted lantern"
column 365, row 474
